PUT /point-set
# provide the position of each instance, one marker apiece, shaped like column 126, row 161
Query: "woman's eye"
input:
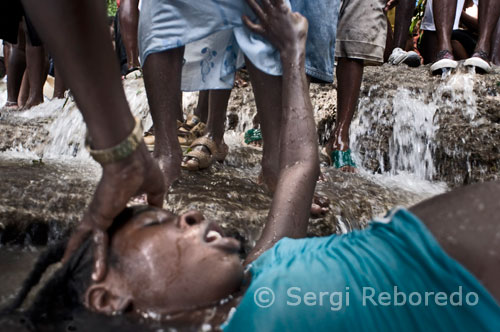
column 153, row 223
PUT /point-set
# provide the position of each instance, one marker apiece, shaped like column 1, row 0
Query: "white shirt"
column 428, row 20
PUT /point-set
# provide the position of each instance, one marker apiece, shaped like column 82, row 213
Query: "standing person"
column 392, row 276
column 27, row 55
column 486, row 47
column 128, row 13
column 357, row 44
column 177, row 25
column 77, row 36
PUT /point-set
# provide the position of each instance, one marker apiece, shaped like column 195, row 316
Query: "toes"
column 191, row 164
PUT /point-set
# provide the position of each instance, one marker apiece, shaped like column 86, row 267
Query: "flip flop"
column 204, row 159
column 341, row 159
column 480, row 61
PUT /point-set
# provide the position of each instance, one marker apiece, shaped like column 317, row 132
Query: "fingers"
column 278, row 3
column 267, row 5
column 257, row 28
column 257, row 10
column 155, row 198
column 100, row 255
column 77, row 238
column 154, row 188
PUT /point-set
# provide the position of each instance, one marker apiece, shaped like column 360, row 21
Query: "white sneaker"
column 397, row 56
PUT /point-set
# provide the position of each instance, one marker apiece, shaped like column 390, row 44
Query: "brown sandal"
column 203, row 158
column 187, row 132
column 190, row 130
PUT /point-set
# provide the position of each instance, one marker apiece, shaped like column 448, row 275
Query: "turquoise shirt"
column 392, row 276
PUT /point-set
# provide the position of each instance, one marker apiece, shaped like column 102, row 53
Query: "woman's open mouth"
column 214, row 236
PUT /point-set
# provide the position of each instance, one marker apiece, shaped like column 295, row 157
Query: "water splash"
column 411, row 120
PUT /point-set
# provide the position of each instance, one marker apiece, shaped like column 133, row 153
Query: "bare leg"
column 349, row 76
column 7, row 47
column 389, row 41
column 489, row 12
column 217, row 114
column 24, row 91
column 267, row 90
column 201, row 110
column 444, row 16
column 495, row 47
column 404, row 13
column 129, row 20
column 465, row 223
column 59, row 88
column 162, row 79
column 15, row 70
column 35, row 67
column 217, row 107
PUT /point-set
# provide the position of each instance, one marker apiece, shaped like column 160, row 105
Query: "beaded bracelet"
column 120, row 151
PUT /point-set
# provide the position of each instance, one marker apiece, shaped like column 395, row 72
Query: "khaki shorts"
column 362, row 30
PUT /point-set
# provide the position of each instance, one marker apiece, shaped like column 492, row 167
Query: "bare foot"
column 170, row 166
column 32, row 103
column 319, row 206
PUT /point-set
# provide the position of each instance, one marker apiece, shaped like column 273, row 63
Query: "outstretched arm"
column 76, row 34
column 299, row 163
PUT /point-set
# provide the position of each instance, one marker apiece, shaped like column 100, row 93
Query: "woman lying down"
column 392, row 276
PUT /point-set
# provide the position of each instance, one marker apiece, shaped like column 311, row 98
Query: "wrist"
column 119, row 151
column 293, row 56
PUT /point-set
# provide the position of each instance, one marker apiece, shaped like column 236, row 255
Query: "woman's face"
column 170, row 263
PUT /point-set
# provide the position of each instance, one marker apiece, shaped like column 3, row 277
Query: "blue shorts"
column 392, row 276
column 215, row 39
column 320, row 48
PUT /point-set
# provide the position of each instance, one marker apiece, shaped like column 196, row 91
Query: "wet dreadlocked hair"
column 65, row 290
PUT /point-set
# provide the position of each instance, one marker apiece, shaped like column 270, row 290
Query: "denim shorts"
column 211, row 60
column 320, row 48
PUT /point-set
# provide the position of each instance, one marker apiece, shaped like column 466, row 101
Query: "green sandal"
column 340, row 159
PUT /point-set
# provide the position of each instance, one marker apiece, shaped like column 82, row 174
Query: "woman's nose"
column 191, row 218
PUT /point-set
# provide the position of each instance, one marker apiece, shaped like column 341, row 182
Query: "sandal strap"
column 199, row 129
column 192, row 120
column 206, row 142
column 342, row 158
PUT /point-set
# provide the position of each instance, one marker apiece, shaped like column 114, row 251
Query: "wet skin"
column 186, row 249
column 173, row 263
column 168, row 264
column 86, row 61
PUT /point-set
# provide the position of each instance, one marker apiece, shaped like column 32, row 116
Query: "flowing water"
column 47, row 177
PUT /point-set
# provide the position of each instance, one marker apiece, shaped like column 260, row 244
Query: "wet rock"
column 465, row 145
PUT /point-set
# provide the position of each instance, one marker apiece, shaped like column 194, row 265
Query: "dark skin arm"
column 299, row 163
column 77, row 36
